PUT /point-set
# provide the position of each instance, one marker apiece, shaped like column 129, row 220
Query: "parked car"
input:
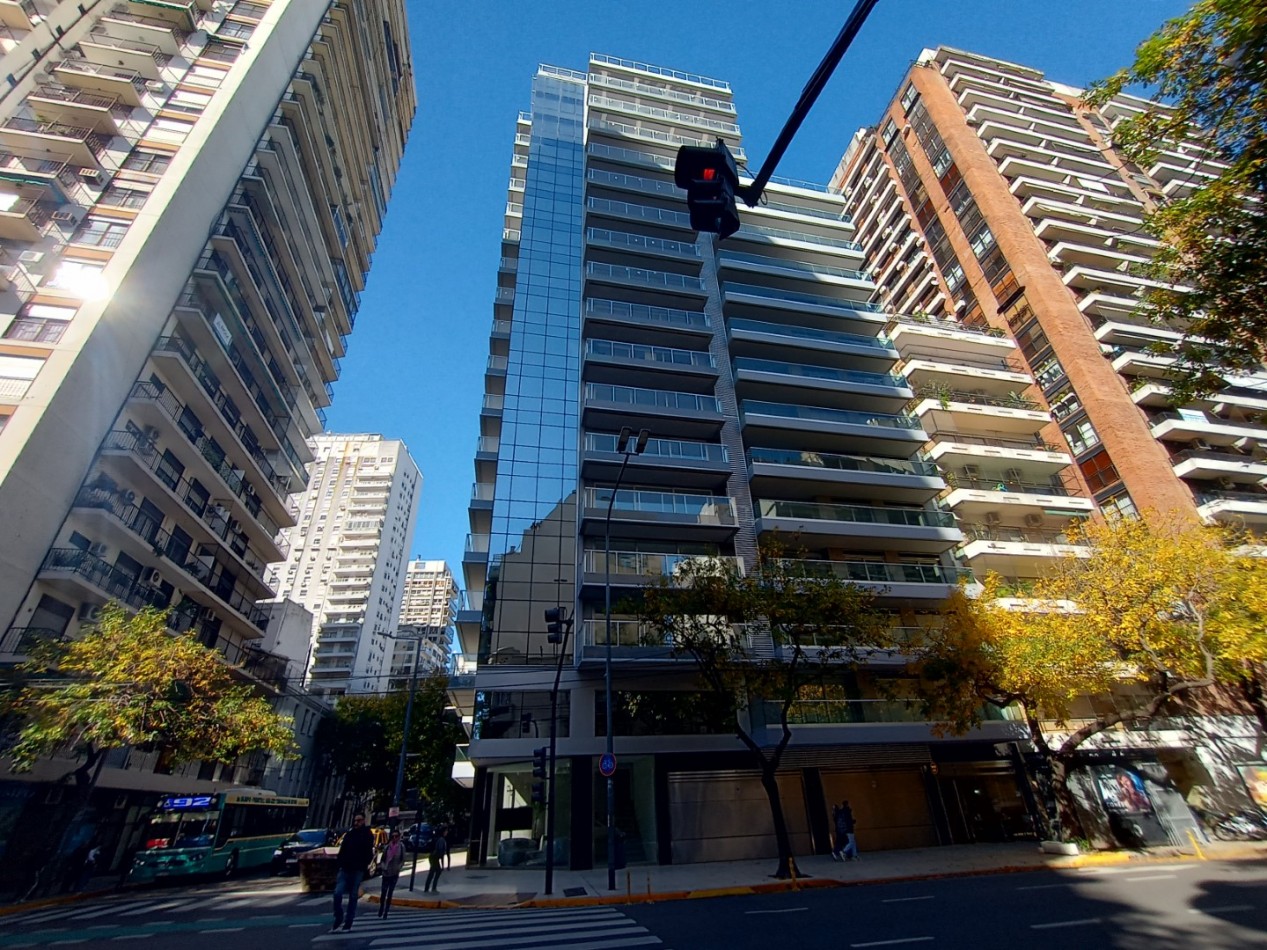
column 286, row 857
column 418, row 837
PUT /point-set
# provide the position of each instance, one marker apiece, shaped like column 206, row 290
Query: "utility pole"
column 558, row 626
column 404, row 736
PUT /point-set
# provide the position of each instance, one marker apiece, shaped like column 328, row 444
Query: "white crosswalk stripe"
column 143, row 908
column 582, row 928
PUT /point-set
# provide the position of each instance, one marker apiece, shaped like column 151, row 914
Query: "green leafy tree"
column 1162, row 614
column 127, row 682
column 1209, row 66
column 361, row 742
column 759, row 641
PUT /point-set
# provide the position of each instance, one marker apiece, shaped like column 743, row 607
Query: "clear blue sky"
column 414, row 369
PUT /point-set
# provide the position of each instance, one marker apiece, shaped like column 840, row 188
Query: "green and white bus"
column 215, row 834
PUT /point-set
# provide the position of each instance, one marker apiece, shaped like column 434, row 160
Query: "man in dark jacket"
column 355, row 854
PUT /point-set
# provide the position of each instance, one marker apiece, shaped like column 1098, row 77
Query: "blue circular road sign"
column 607, row 765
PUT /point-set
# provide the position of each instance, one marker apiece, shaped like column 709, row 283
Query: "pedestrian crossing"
column 579, row 928
column 142, row 909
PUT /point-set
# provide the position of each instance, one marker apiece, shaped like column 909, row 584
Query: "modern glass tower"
column 759, row 369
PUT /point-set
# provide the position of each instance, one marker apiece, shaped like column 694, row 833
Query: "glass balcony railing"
column 650, row 186
column 810, row 333
column 633, row 155
column 651, row 398
column 856, row 514
column 843, row 463
column 641, row 212
column 1003, row 484
column 643, row 565
column 948, row 325
column 639, row 242
column 1010, row 401
column 662, row 448
column 779, row 263
column 1231, row 497
column 819, row 414
column 884, row 572
column 669, row 316
column 828, row 373
column 815, row 300
column 803, row 236
column 705, row 509
column 664, row 115
column 663, row 92
column 648, row 278
column 981, row 532
column 642, row 353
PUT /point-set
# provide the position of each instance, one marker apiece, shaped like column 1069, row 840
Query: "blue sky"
column 414, row 369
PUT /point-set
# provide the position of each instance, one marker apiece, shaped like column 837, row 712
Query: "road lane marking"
column 1149, row 877
column 1229, row 909
column 1044, row 887
column 221, row 930
column 1085, row 921
column 785, row 910
column 899, row 900
column 890, row 943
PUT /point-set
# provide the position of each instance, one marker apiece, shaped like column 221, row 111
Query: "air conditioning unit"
column 92, row 176
column 155, row 85
column 971, row 471
column 98, row 549
column 154, row 578
column 128, row 497
column 992, row 518
column 1033, row 520
column 207, row 613
column 31, row 257
column 150, row 433
column 1201, row 445
column 89, row 613
column 63, row 216
column 1012, row 475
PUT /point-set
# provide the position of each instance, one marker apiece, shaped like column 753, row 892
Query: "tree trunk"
column 1252, row 690
column 1070, row 823
column 787, row 861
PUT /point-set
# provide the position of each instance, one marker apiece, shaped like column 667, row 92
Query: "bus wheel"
column 231, row 865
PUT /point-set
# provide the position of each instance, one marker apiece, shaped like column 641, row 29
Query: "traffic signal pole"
column 751, row 194
column 551, row 787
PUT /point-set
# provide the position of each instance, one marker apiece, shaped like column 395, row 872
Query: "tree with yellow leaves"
column 1167, row 609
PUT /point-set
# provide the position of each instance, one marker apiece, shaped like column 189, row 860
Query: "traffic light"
column 710, row 179
column 558, row 624
column 539, row 758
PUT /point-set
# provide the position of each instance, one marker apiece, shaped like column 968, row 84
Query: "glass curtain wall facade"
column 760, row 370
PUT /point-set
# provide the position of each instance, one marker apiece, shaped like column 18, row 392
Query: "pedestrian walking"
column 437, row 859
column 355, row 854
column 846, row 842
column 393, row 861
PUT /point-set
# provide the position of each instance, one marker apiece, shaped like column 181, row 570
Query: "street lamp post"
column 627, row 452
column 558, row 626
column 404, row 736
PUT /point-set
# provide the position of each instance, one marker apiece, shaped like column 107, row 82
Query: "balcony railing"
column 640, row 564
column 778, row 263
column 669, row 316
column 955, row 480
column 116, row 583
column 945, row 396
column 828, row 373
column 35, row 330
column 948, row 325
column 843, row 463
column 22, row 640
column 661, row 448
column 705, row 509
column 1250, row 497
column 802, row 236
column 648, row 278
column 818, row 414
column 810, row 333
column 650, row 398
column 885, row 572
column 621, row 239
column 816, row 300
column 638, row 352
column 856, row 514
column 104, row 39
column 1035, row 444
column 641, row 212
column 981, row 532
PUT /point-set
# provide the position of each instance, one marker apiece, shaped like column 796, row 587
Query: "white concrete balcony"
column 978, row 415
column 1054, row 187
column 1031, row 457
column 1055, row 222
column 1190, row 425
column 1015, row 552
column 975, row 499
column 1133, row 333
column 1106, row 305
column 1087, row 163
column 1233, row 507
column 1139, row 363
column 996, row 377
column 1086, row 278
column 1231, row 467
column 1073, row 253
column 943, row 339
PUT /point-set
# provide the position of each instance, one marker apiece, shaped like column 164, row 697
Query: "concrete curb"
column 1099, row 859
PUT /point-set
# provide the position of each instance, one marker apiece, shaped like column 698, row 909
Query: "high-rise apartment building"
column 1007, row 233
column 759, row 368
column 190, row 195
column 348, row 554
column 428, row 610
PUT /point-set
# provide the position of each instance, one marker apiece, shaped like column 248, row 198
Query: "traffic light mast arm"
column 751, row 194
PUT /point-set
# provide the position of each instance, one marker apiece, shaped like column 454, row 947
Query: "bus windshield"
column 184, row 829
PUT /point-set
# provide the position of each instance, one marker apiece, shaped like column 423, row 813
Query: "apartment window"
column 125, row 195
column 1099, row 471
column 1032, row 341
column 204, row 76
column 1049, row 372
column 1118, row 506
column 40, row 323
column 888, row 132
column 142, row 160
column 169, row 130
column 908, row 97
column 233, row 30
column 1064, row 404
column 101, row 232
column 220, row 52
column 1081, row 436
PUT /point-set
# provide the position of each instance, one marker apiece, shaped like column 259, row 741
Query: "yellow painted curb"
column 9, row 909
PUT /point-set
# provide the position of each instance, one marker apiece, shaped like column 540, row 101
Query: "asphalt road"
column 1212, row 906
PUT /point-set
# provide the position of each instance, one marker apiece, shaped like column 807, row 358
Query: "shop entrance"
column 983, row 802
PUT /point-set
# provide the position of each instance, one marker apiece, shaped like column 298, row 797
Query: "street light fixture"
column 627, row 451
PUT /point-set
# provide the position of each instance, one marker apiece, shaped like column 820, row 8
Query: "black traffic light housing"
column 540, row 757
column 710, row 179
column 558, row 624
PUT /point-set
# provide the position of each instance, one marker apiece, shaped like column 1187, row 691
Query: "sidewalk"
column 493, row 887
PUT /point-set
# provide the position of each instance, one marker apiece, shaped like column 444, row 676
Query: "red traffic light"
column 710, row 179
